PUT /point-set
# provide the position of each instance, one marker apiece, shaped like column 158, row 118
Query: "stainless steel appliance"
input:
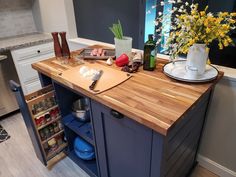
column 8, row 102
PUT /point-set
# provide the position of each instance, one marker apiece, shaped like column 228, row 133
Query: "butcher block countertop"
column 150, row 98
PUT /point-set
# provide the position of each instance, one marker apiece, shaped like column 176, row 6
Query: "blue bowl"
column 83, row 149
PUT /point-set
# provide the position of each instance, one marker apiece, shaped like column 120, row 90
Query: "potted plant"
column 192, row 30
column 123, row 44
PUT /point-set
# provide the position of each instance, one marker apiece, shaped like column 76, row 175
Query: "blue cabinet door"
column 124, row 146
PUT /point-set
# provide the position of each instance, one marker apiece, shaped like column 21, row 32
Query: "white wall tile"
column 16, row 18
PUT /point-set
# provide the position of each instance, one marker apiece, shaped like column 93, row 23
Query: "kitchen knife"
column 95, row 78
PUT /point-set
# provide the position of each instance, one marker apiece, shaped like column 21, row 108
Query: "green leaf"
column 116, row 29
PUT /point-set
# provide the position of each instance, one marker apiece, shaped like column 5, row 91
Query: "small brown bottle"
column 57, row 46
column 64, row 45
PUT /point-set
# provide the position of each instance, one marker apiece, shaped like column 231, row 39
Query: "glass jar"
column 42, row 120
column 55, row 127
column 52, row 144
column 47, row 133
column 51, row 130
column 38, row 121
column 59, row 140
column 47, row 117
column 42, row 135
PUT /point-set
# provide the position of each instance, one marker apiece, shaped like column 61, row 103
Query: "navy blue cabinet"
column 123, row 146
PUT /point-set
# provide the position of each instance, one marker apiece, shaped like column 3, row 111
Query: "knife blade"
column 95, row 78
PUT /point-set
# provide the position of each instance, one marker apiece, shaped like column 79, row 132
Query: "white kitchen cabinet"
column 24, row 57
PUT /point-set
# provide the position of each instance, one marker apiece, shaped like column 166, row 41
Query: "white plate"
column 177, row 71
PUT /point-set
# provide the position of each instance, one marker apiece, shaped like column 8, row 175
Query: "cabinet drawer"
column 26, row 72
column 33, row 52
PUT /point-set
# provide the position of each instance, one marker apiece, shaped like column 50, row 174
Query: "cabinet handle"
column 116, row 114
column 14, row 86
column 38, row 51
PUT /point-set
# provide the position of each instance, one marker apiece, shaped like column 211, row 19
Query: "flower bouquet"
column 189, row 25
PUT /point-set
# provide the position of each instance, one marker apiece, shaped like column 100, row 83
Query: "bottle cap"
column 150, row 37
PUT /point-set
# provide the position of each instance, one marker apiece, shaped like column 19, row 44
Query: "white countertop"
column 229, row 73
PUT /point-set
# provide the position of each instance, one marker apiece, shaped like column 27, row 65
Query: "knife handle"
column 91, row 87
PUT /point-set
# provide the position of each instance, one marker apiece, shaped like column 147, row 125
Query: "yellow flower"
column 220, row 46
column 226, row 43
column 233, row 14
column 208, row 30
column 202, row 13
column 225, row 27
column 232, row 21
column 229, row 40
column 223, row 14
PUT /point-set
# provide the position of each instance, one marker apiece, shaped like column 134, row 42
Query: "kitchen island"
column 149, row 125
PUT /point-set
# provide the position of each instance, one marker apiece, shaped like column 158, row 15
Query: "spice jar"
column 55, row 127
column 60, row 125
column 46, row 147
column 42, row 135
column 44, row 105
column 42, row 120
column 39, row 107
column 47, row 117
column 46, row 132
column 49, row 103
column 59, row 140
column 53, row 101
column 38, row 121
column 53, row 114
column 57, row 112
column 52, row 144
column 33, row 109
column 51, row 130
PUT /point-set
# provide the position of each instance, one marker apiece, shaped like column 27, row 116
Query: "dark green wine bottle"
column 149, row 59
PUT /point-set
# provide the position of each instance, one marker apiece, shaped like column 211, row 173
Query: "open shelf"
column 83, row 129
column 58, row 150
column 50, row 122
column 89, row 166
column 45, row 111
column 54, row 135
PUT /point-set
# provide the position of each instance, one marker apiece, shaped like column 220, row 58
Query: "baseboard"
column 215, row 167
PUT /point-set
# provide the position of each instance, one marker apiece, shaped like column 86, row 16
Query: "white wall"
column 219, row 138
column 54, row 15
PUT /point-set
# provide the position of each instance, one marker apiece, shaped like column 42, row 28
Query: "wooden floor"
column 17, row 157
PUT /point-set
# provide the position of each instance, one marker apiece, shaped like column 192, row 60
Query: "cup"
column 123, row 46
column 191, row 72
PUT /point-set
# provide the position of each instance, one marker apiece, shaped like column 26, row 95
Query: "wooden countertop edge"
column 214, row 82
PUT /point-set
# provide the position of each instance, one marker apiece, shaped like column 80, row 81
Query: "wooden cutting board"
column 109, row 79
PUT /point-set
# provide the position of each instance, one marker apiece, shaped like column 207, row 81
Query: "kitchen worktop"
column 16, row 42
column 150, row 98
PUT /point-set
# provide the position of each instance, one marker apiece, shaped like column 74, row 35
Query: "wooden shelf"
column 54, row 135
column 44, row 112
column 89, row 166
column 83, row 129
column 58, row 150
column 39, row 93
column 50, row 122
